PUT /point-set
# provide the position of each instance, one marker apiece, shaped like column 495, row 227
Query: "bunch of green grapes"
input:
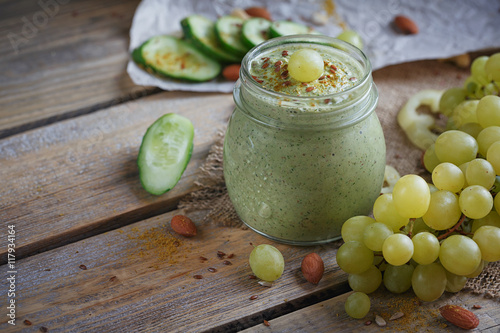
column 432, row 237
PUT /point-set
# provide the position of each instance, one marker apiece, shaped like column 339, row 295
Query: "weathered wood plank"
column 79, row 177
column 330, row 315
column 62, row 61
column 128, row 289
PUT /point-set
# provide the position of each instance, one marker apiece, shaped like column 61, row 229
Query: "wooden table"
column 71, row 123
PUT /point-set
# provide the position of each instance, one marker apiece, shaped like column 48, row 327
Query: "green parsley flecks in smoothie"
column 271, row 71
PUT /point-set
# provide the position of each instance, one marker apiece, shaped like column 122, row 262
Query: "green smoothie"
column 300, row 159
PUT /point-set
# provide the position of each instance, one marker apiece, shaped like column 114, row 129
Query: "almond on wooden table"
column 183, row 226
column 231, row 72
column 313, row 268
column 459, row 316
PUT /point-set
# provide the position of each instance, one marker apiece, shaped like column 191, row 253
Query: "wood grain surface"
column 79, row 177
column 62, row 59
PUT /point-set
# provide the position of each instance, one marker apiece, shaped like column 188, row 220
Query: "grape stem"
column 455, row 227
column 410, row 231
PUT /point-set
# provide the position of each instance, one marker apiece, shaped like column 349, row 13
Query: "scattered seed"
column 327, row 100
column 287, row 83
column 254, row 297
column 284, row 53
column 113, row 278
column 266, row 323
column 266, row 59
column 284, row 75
column 227, row 262
column 230, row 256
column 83, row 267
column 221, row 254
column 352, row 79
column 211, row 269
column 333, row 67
column 368, row 322
column 47, row 269
column 309, row 89
column 304, row 84
column 477, row 306
column 322, row 77
column 198, row 276
column 27, row 322
column 332, row 70
column 266, row 283
column 44, row 329
column 380, row 321
column 203, row 258
column 252, row 277
column 265, row 65
column 397, row 315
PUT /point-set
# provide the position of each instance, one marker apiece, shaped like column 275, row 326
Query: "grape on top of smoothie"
column 298, row 71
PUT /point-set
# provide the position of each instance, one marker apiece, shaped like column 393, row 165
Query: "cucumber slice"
column 171, row 57
column 255, row 31
column 165, row 152
column 228, row 31
column 285, row 28
column 201, row 31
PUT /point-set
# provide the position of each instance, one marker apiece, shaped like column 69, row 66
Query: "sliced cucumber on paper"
column 201, row 32
column 165, row 152
column 285, row 28
column 255, row 31
column 172, row 57
column 228, row 31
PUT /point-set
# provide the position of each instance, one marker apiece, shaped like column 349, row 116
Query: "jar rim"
column 349, row 49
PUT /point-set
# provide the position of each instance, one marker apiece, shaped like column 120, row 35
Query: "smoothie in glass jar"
column 301, row 157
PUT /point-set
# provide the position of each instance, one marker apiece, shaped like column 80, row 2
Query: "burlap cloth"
column 395, row 84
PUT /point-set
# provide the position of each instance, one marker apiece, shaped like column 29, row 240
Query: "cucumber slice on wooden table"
column 201, row 31
column 165, row 152
column 174, row 58
column 255, row 31
column 228, row 31
column 285, row 28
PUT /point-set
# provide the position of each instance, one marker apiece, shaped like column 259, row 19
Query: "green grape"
column 366, row 282
column 496, row 203
column 430, row 158
column 357, row 305
column 472, row 129
column 478, row 70
column 397, row 279
column 432, row 188
column 306, row 65
column 444, row 211
column 493, row 156
column 475, row 201
column 470, row 85
column 459, row 254
column 385, row 212
column 492, row 88
column 411, row 196
column 354, row 257
column 450, row 99
column 419, row 226
column 465, row 112
column 478, row 270
column 397, row 249
column 456, row 147
column 463, row 167
column 488, row 111
column 480, row 172
column 486, row 138
column 429, row 281
column 447, row 176
column 375, row 235
column 488, row 239
column 425, row 248
column 266, row 262
column 492, row 67
column 492, row 219
column 352, row 229
column 351, row 37
column 454, row 283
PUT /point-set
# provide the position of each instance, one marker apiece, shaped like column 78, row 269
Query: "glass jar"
column 297, row 167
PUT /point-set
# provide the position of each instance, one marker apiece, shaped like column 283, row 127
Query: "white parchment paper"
column 447, row 28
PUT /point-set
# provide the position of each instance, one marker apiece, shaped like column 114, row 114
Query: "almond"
column 183, row 226
column 406, row 25
column 231, row 72
column 459, row 316
column 259, row 12
column 313, row 268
